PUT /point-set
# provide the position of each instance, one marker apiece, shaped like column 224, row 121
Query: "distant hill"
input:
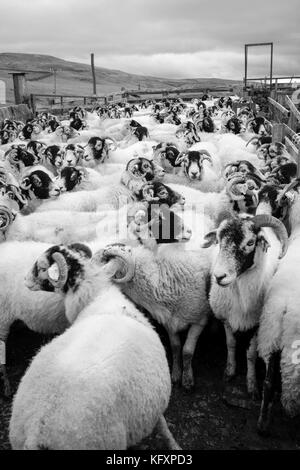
column 76, row 78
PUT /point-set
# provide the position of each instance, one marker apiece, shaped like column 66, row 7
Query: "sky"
column 163, row 38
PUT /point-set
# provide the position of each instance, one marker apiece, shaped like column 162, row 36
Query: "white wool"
column 54, row 227
column 112, row 364
column 42, row 312
column 279, row 328
column 240, row 303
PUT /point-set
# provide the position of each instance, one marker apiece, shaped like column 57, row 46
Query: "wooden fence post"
column 277, row 133
column 19, row 87
column 33, row 103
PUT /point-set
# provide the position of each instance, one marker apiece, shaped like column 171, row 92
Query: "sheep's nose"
column 220, row 278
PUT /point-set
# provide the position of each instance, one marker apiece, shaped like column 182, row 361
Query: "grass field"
column 76, row 78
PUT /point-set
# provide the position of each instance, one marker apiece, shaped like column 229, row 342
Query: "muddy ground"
column 201, row 419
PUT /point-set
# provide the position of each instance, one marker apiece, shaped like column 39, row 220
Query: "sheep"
column 244, row 262
column 81, row 178
column 279, row 329
column 50, row 227
column 57, row 157
column 38, row 184
column 41, row 312
column 171, row 285
column 165, row 155
column 196, row 173
column 231, row 148
column 96, row 151
column 138, row 171
column 124, row 155
column 110, row 361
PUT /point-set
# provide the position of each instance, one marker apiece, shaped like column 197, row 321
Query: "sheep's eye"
column 162, row 193
column 250, row 243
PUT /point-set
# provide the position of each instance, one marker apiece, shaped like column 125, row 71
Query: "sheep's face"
column 59, row 269
column 166, row 156
column 192, row 163
column 207, row 125
column 237, row 239
column 13, row 195
column 192, row 166
column 37, row 149
column 55, row 155
column 41, row 184
column 26, row 132
column 53, row 125
column 70, row 177
column 258, row 126
column 233, row 126
column 72, row 155
column 263, row 152
column 162, row 194
column 94, row 149
column 143, row 168
column 18, row 155
column 268, row 201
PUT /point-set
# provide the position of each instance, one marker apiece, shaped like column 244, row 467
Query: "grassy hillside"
column 76, row 78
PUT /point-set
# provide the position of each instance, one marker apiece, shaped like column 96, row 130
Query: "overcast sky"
column 168, row 38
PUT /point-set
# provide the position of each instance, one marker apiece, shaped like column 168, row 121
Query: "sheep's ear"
column 53, row 272
column 83, row 173
column 210, row 239
column 182, row 157
column 81, row 249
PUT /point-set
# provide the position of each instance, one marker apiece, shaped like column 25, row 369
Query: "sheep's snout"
column 221, row 279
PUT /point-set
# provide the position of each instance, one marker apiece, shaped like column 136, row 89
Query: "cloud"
column 184, row 38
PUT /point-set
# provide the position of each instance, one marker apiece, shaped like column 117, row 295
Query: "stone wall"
column 19, row 112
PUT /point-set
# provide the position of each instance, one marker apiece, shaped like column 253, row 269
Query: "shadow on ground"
column 201, row 419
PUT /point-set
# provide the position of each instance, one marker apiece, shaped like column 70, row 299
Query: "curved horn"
column 62, row 269
column 18, row 194
column 266, row 220
column 114, row 145
column 180, row 158
column 147, row 195
column 252, row 138
column 123, row 254
column 13, row 159
column 249, row 121
column 207, row 157
column 24, row 185
column 6, row 217
column 288, row 188
column 230, row 190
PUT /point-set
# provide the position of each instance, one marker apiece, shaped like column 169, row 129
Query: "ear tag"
column 53, row 272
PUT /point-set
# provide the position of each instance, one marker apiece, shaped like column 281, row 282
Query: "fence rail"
column 286, row 125
column 62, row 99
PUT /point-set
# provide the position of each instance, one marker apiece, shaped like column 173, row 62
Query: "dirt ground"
column 201, row 419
